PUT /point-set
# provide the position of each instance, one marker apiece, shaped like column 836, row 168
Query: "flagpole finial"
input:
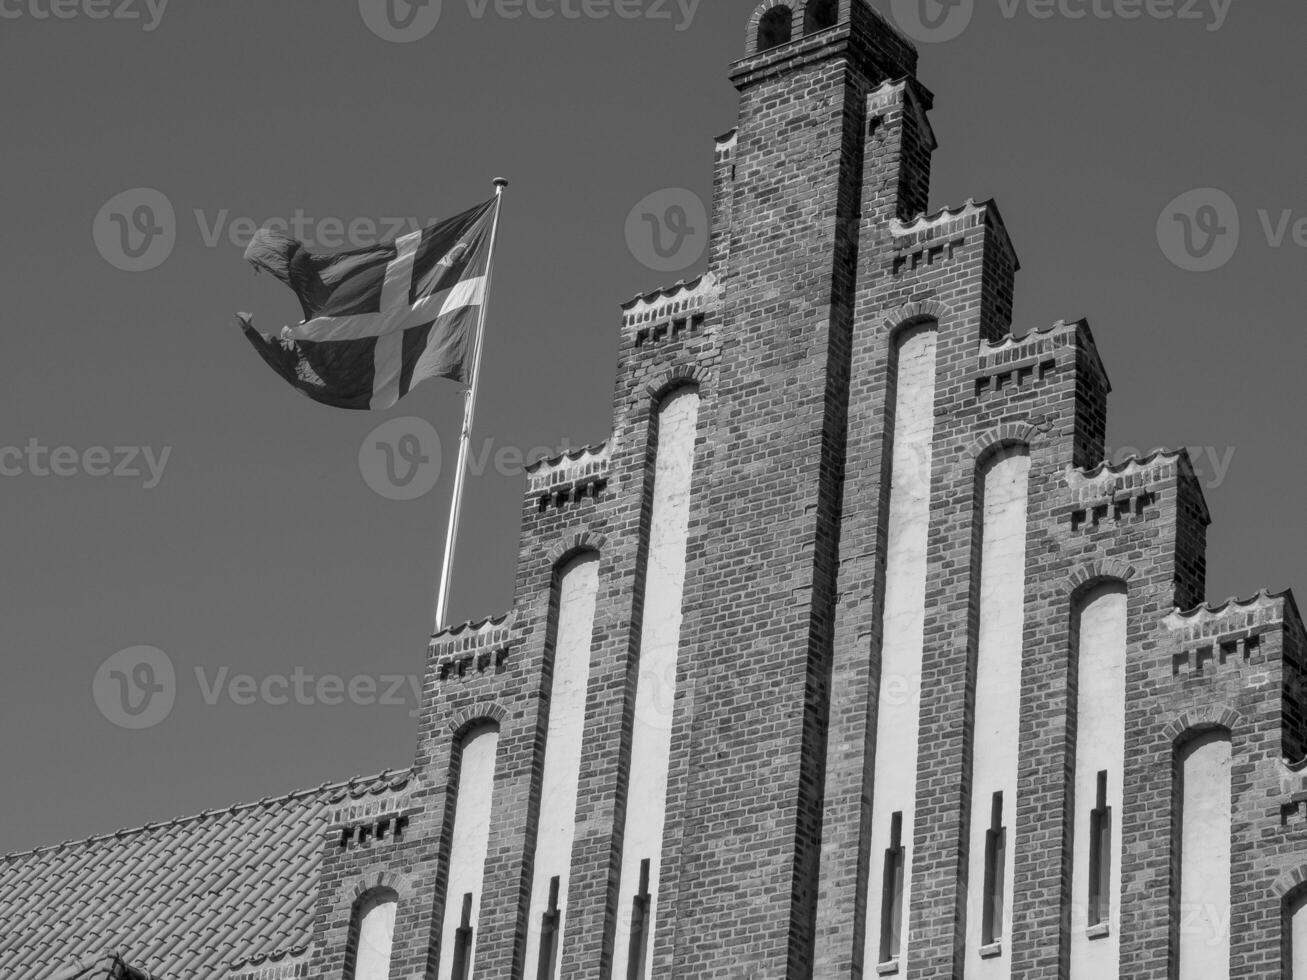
column 501, row 182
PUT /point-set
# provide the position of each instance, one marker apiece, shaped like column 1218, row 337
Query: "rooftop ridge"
column 968, row 211
column 276, row 956
column 472, row 625
column 1010, row 340
column 1243, row 617
column 927, row 219
column 574, row 472
column 570, row 455
column 394, row 778
column 1081, row 480
column 706, row 279
column 1232, row 604
column 1062, row 333
column 1107, row 467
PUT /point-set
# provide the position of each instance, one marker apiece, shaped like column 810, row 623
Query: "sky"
column 248, row 538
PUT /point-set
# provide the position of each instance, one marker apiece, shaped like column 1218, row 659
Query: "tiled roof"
column 180, row 900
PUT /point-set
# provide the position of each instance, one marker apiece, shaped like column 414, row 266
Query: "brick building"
column 844, row 657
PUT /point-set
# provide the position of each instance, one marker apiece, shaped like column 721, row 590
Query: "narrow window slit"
column 549, row 923
column 891, row 903
column 995, row 872
column 463, row 942
column 640, row 906
column 1100, row 857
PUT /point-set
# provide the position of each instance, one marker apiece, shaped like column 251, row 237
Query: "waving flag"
column 378, row 321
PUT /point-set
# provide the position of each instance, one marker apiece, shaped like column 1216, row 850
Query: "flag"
column 378, row 321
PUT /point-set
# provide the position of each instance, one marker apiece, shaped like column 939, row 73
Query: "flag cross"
column 396, row 315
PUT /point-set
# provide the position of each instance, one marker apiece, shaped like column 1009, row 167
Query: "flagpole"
column 469, row 412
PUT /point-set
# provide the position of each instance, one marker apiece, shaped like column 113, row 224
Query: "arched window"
column 1098, row 644
column 575, row 592
column 1002, row 505
column 1205, row 797
column 911, row 376
column 372, row 935
column 468, row 849
column 820, row 15
column 673, row 433
column 776, row 28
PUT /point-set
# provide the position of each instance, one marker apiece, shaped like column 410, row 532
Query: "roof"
column 181, row 900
